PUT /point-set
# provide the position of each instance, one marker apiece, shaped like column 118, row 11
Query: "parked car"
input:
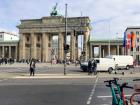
column 103, row 64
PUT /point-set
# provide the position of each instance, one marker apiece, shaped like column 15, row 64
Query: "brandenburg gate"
column 36, row 37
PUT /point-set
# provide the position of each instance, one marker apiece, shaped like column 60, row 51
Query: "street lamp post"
column 109, row 39
column 117, row 43
column 30, row 46
column 65, row 39
column 81, row 32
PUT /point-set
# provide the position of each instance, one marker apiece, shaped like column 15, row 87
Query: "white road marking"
column 92, row 91
column 111, row 96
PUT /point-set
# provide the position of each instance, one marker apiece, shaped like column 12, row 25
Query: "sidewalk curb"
column 37, row 76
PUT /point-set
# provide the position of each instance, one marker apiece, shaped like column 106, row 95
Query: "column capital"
column 43, row 33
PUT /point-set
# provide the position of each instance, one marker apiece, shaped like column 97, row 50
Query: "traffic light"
column 83, row 53
column 66, row 47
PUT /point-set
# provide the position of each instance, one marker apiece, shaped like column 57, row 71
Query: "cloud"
column 108, row 17
column 123, row 14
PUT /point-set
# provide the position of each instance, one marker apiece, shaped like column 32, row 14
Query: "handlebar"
column 136, row 79
column 109, row 81
column 114, row 81
column 125, row 85
column 130, row 87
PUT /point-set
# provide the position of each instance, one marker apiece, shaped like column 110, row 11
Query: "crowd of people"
column 6, row 61
column 68, row 61
column 27, row 60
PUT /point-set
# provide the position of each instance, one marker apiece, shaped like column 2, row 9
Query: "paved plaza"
column 47, row 70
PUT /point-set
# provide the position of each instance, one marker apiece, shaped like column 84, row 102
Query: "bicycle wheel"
column 135, row 99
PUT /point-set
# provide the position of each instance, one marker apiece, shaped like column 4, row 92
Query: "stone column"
column 9, row 51
column 91, row 51
column 49, row 47
column 45, row 40
column 76, row 47
column 60, row 46
column 103, row 53
column 33, row 45
column 100, row 51
column 72, row 46
column 22, row 46
column 109, row 50
column 86, row 45
column 16, row 52
column 122, row 50
column 3, row 51
column 118, row 50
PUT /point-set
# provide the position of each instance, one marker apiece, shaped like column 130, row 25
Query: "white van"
column 105, row 64
column 122, row 61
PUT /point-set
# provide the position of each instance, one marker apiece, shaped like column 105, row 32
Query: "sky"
column 109, row 18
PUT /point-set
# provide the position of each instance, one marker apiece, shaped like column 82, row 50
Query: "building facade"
column 133, row 50
column 101, row 47
column 36, row 37
column 9, row 45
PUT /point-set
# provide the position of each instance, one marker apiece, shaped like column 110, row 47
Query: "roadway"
column 60, row 91
column 75, row 89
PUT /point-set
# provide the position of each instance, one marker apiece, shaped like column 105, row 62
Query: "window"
column 131, row 48
column 131, row 32
column 38, row 38
column 137, row 39
column 49, row 44
column 137, row 48
column 137, row 32
column 27, row 45
column 38, row 45
column 49, row 38
column 27, row 38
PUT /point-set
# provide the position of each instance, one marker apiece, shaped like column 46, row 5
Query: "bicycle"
column 135, row 97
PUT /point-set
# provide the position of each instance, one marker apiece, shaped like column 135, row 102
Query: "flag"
column 124, row 40
column 128, row 36
column 128, row 44
column 128, row 41
column 133, row 40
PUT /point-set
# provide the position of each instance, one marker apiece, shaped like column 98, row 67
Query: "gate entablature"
column 55, row 24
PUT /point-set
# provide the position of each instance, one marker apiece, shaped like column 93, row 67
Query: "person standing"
column 32, row 67
column 94, row 67
column 89, row 67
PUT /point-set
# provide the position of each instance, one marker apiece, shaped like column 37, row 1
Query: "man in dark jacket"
column 89, row 67
column 94, row 67
column 32, row 67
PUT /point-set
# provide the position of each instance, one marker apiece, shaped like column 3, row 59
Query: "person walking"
column 32, row 67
